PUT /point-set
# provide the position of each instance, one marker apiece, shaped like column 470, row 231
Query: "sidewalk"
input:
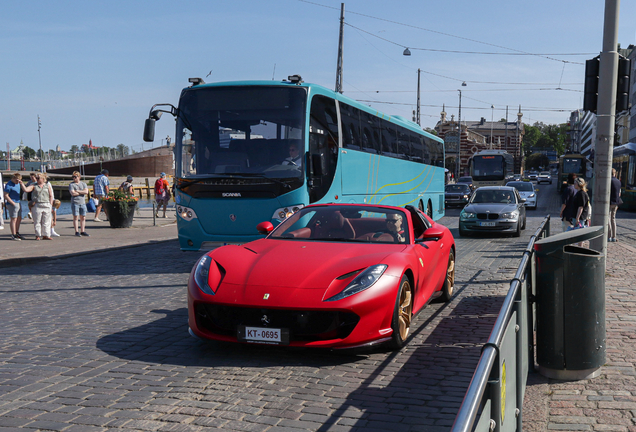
column 102, row 237
column 608, row 402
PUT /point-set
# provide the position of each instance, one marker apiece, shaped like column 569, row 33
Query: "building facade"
column 476, row 136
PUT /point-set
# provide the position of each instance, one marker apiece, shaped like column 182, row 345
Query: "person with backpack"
column 162, row 193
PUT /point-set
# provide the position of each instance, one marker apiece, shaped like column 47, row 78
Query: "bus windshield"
column 247, row 131
column 573, row 165
column 488, row 167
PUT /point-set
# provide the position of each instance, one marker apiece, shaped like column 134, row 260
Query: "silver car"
column 544, row 176
column 494, row 209
column 526, row 191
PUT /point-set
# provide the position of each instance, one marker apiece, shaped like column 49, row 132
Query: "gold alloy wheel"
column 405, row 309
column 450, row 274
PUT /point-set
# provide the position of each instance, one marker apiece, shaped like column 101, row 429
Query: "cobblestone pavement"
column 608, row 402
column 100, row 343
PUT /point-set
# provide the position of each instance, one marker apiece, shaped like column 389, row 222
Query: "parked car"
column 331, row 275
column 544, row 176
column 494, row 209
column 466, row 180
column 457, row 194
column 526, row 191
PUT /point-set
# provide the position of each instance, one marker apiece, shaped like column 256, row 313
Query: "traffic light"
column 590, row 95
column 622, row 86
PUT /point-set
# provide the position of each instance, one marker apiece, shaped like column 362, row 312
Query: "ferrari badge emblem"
column 233, row 217
column 266, row 297
column 265, row 320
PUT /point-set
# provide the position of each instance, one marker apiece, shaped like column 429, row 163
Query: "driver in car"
column 393, row 228
column 295, row 157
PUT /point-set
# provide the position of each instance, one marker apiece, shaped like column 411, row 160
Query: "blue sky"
column 92, row 70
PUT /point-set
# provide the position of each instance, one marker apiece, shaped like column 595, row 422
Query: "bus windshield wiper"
column 261, row 176
column 189, row 182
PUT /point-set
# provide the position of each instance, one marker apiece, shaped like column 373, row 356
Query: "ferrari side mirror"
column 265, row 227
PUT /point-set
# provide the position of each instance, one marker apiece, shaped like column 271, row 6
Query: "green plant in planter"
column 122, row 199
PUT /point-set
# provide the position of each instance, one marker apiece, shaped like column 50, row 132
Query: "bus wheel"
column 429, row 210
column 420, row 206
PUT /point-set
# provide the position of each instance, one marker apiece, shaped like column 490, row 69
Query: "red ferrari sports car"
column 333, row 275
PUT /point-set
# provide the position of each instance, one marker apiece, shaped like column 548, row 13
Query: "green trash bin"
column 570, row 306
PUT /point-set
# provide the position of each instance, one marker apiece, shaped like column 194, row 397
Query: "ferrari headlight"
column 284, row 212
column 364, row 280
column 511, row 215
column 467, row 215
column 202, row 274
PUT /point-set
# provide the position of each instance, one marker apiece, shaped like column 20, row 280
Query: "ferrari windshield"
column 251, row 131
column 345, row 223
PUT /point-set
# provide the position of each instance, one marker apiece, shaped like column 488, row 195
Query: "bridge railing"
column 494, row 399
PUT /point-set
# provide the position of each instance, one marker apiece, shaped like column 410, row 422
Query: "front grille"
column 487, row 216
column 305, row 325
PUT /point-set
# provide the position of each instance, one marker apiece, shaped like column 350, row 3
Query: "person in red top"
column 162, row 193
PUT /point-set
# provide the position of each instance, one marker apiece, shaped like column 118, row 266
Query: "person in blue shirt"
column 100, row 191
column 12, row 199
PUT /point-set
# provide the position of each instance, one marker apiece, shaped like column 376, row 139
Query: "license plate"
column 491, row 224
column 265, row 335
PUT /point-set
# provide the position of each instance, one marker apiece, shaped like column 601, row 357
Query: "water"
column 16, row 165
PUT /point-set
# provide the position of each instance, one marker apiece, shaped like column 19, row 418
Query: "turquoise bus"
column 575, row 163
column 236, row 157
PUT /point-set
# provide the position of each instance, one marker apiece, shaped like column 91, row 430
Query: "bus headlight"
column 186, row 213
column 284, row 212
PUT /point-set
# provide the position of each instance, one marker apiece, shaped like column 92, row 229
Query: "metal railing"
column 505, row 358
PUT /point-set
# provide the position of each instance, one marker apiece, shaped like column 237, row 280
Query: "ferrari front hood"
column 297, row 264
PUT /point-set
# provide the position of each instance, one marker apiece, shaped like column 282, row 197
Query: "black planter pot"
column 116, row 215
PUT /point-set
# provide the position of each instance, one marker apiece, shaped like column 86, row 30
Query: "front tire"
column 402, row 314
column 518, row 232
column 448, row 289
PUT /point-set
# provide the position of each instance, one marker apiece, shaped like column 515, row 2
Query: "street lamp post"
column 40, row 140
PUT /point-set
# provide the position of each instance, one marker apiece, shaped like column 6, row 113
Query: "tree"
column 122, row 149
column 537, row 161
column 28, row 153
column 74, row 149
column 431, row 131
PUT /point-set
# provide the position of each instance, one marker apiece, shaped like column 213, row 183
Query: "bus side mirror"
column 149, row 130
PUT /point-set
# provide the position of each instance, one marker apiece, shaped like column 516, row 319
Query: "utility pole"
column 40, row 139
column 340, row 42
column 606, row 110
column 418, row 97
column 459, row 137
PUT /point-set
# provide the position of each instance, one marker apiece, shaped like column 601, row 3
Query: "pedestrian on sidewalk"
column 162, row 193
column 78, row 190
column 43, row 202
column 100, row 191
column 56, row 205
column 615, row 201
column 11, row 194
column 582, row 204
column 28, row 195
column 1, row 204
column 127, row 186
column 568, row 211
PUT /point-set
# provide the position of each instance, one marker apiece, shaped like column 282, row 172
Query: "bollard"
column 154, row 214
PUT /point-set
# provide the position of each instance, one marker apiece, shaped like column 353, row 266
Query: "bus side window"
column 403, row 144
column 323, row 147
column 350, row 127
column 417, row 149
column 389, row 138
column 370, row 136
